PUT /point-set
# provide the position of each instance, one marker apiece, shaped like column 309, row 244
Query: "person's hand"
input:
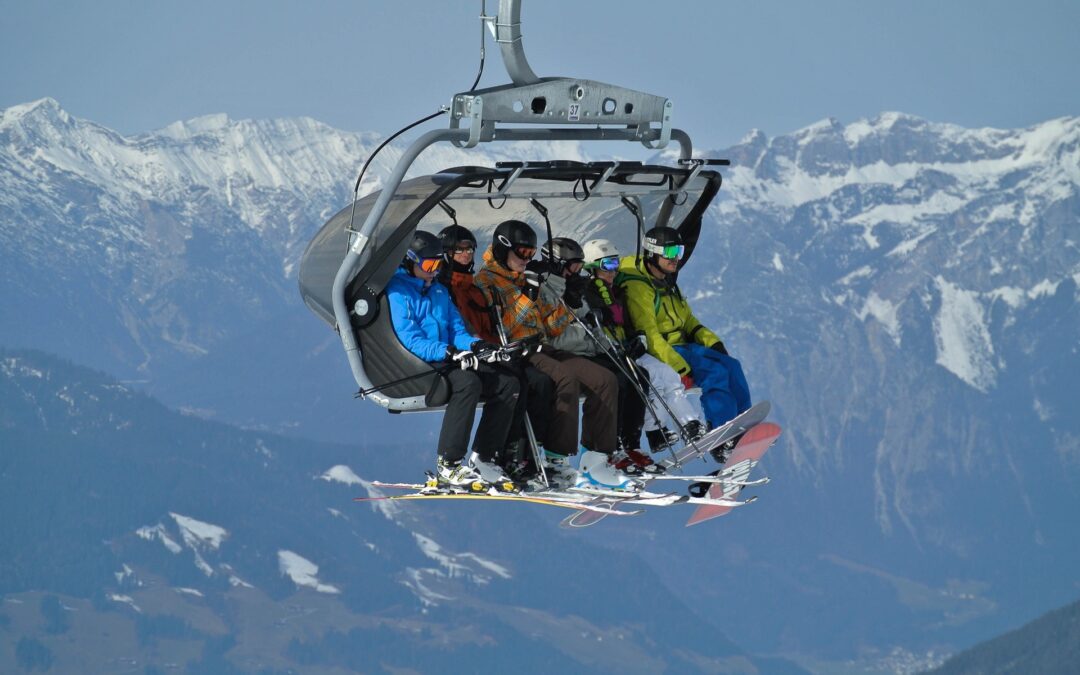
column 488, row 352
column 532, row 285
column 687, row 381
column 635, row 348
column 467, row 360
column 719, row 347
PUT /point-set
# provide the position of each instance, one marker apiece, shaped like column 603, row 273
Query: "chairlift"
column 345, row 268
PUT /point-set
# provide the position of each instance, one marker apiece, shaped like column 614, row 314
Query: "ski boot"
column 636, row 463
column 661, row 439
column 701, row 489
column 597, row 471
column 559, row 472
column 492, row 474
column 458, row 477
column 694, row 430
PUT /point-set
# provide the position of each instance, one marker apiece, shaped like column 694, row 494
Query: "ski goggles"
column 672, row 251
column 429, row 265
column 608, row 264
column 462, row 249
column 525, row 252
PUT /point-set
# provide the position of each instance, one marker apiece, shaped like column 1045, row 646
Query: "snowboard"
column 721, row 434
column 752, row 446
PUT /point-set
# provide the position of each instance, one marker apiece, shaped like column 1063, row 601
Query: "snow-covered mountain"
column 904, row 291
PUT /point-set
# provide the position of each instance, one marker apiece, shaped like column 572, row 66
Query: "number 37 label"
column 573, row 113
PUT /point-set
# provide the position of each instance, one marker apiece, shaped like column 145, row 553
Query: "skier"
column 565, row 283
column 428, row 325
column 459, row 248
column 525, row 313
column 606, row 293
column 675, row 336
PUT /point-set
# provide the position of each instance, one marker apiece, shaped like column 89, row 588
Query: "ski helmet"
column 452, row 235
column 425, row 251
column 513, row 235
column 601, row 254
column 561, row 252
column 663, row 242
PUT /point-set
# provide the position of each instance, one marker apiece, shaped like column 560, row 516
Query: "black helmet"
column 452, row 235
column 562, row 251
column 424, row 245
column 663, row 242
column 512, row 234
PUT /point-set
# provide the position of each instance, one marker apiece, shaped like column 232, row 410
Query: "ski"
column 546, row 501
column 751, row 447
column 718, row 478
column 720, row 435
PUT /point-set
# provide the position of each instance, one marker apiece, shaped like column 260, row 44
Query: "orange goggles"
column 429, row 265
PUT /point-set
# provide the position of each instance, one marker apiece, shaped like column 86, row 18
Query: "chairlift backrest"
column 481, row 198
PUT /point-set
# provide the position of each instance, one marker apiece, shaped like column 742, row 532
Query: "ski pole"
column 363, row 393
column 530, row 436
column 632, row 376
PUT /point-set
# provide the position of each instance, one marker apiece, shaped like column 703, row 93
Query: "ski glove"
column 532, row 285
column 687, row 381
column 719, row 347
column 467, row 360
column 488, row 352
column 575, row 291
column 595, row 318
column 635, row 348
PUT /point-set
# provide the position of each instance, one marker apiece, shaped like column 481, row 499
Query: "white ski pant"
column 667, row 383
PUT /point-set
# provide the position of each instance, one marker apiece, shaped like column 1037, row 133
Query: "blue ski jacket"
column 425, row 319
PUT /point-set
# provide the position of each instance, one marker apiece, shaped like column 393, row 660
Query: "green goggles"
column 671, row 251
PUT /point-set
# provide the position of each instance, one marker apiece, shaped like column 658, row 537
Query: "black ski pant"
column 631, row 415
column 537, row 392
column 500, row 390
column 575, row 375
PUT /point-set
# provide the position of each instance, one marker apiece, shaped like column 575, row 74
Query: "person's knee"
column 508, row 387
column 467, row 383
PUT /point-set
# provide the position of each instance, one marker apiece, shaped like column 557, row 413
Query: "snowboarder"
column 674, row 335
column 606, row 293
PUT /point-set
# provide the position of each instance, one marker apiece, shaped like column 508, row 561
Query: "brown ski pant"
column 573, row 376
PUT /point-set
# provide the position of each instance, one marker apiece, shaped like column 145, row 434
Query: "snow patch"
column 1017, row 297
column 198, row 534
column 415, row 582
column 302, row 572
column 342, row 474
column 456, row 565
column 963, row 341
column 236, row 581
column 124, row 573
column 158, row 532
column 885, row 313
column 189, row 591
column 126, row 600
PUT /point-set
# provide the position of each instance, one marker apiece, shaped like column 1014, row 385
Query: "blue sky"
column 136, row 65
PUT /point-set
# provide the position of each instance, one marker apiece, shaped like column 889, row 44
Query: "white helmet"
column 595, row 249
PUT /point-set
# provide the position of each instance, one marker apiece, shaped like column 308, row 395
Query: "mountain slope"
column 904, row 291
column 1048, row 645
column 191, row 542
